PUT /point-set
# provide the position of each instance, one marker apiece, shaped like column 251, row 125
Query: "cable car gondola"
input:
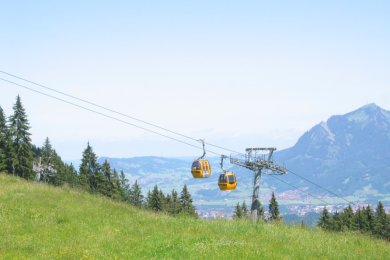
column 201, row 167
column 227, row 180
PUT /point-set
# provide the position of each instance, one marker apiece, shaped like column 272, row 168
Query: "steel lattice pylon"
column 258, row 160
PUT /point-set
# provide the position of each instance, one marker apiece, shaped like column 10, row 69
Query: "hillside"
column 42, row 222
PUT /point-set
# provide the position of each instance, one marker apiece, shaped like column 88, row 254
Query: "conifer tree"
column 186, row 202
column 361, row 222
column 347, row 219
column 46, row 170
column 124, row 187
column 336, row 222
column 50, row 165
column 70, row 175
column 135, row 195
column 36, row 150
column 164, row 201
column 371, row 221
column 3, row 164
column 237, row 213
column 106, row 186
column 62, row 171
column 147, row 200
column 325, row 219
column 168, row 203
column 382, row 220
column 21, row 160
column 245, row 212
column 3, row 141
column 174, row 206
column 154, row 200
column 386, row 233
column 89, row 169
column 106, row 171
column 115, row 180
column 274, row 209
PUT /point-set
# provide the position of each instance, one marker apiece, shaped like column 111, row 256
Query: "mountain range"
column 348, row 154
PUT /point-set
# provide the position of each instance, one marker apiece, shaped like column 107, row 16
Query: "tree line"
column 19, row 157
column 242, row 211
column 363, row 220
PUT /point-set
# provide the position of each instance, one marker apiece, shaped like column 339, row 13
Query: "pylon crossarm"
column 257, row 163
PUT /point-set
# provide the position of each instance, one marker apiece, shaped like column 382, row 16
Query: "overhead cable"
column 319, row 186
column 114, row 111
column 295, row 187
column 107, row 116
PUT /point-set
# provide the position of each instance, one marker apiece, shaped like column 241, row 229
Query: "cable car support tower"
column 258, row 160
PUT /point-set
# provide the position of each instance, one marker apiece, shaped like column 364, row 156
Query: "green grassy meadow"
column 42, row 222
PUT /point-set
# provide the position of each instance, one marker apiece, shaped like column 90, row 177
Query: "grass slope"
column 37, row 221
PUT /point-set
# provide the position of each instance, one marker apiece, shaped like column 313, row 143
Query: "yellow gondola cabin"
column 227, row 181
column 201, row 169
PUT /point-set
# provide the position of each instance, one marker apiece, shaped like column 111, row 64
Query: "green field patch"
column 42, row 222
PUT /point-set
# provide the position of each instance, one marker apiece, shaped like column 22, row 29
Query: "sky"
column 236, row 73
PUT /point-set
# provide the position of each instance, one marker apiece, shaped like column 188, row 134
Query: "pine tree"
column 168, row 203
column 49, row 167
column 347, row 219
column 371, row 220
column 3, row 141
column 174, row 208
column 274, row 209
column 325, row 219
column 336, row 222
column 61, row 171
column 21, row 161
column 164, row 201
column 186, row 202
column 148, row 199
column 135, row 195
column 244, row 208
column 361, row 222
column 237, row 213
column 380, row 227
column 117, row 183
column 106, row 186
column 3, row 163
column 70, row 175
column 36, row 150
column 124, row 186
column 89, row 169
column 154, row 200
column 386, row 233
column 45, row 168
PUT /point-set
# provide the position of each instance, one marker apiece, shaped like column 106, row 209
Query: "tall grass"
column 41, row 222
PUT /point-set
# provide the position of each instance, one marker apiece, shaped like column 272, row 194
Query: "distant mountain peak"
column 371, row 106
column 368, row 112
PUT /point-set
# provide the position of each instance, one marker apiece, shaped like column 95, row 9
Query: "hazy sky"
column 237, row 73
